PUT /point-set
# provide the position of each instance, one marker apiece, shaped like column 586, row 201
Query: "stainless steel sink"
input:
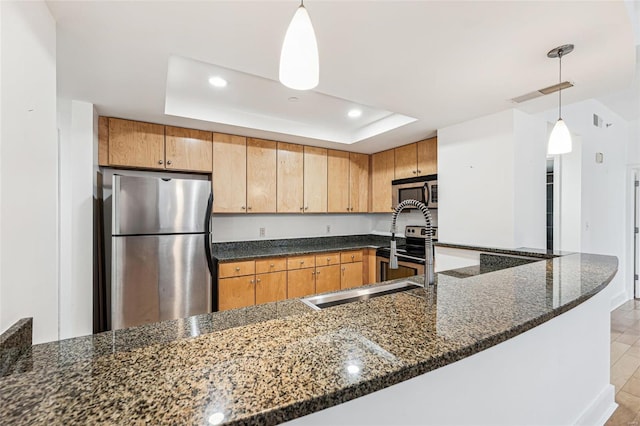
column 334, row 299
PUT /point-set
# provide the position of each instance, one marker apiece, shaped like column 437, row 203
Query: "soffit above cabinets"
column 438, row 62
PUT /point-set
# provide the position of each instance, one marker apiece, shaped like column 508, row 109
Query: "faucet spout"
column 429, row 274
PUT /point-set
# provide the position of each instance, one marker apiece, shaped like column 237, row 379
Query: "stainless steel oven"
column 411, row 255
column 422, row 188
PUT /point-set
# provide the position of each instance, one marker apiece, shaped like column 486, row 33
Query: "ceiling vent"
column 541, row 92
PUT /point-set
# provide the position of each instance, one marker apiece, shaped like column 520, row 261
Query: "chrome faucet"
column 429, row 275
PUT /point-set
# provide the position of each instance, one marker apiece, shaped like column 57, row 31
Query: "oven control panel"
column 412, row 231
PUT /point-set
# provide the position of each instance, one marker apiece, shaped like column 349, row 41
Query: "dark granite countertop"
column 279, row 361
column 242, row 250
column 524, row 251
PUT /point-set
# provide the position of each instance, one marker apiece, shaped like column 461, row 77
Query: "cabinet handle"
column 313, row 273
column 318, row 272
column 258, row 280
column 302, row 262
column 351, row 209
column 343, row 269
column 237, row 268
column 160, row 161
column 419, row 171
column 251, row 282
column 243, row 208
column 306, row 208
column 249, row 208
column 415, row 172
column 271, row 265
column 392, row 208
column 328, row 259
column 353, row 256
column 169, row 162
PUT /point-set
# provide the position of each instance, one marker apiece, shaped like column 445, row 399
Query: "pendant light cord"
column 560, row 86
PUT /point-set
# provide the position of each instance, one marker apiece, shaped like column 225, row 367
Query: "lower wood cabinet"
column 252, row 282
column 351, row 275
column 236, row 292
column 301, row 283
column 327, row 278
column 271, row 287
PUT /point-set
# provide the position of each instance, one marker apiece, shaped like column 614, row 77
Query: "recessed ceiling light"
column 354, row 113
column 218, row 82
column 216, row 418
column 293, row 99
column 353, row 369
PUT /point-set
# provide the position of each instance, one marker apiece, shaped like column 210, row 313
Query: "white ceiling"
column 440, row 62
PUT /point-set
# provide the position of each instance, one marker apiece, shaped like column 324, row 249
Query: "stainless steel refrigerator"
column 158, row 264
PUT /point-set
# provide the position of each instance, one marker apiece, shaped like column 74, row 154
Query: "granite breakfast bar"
column 527, row 344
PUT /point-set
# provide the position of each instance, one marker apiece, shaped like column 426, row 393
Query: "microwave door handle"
column 427, row 196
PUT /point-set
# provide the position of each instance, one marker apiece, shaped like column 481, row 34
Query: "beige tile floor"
column 625, row 363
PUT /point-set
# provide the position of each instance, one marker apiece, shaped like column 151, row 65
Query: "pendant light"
column 560, row 138
column 299, row 63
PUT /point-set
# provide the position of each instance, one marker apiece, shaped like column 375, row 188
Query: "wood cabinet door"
column 315, row 180
column 236, row 292
column 136, row 144
column 229, row 177
column 369, row 267
column 337, row 181
column 290, row 182
column 301, row 282
column 382, row 173
column 351, row 275
column 261, row 176
column 428, row 157
column 271, row 287
column 406, row 161
column 188, row 149
column 327, row 278
column 358, row 182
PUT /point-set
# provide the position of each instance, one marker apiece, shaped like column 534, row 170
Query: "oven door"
column 405, row 269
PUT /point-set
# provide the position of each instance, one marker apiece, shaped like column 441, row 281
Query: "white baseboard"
column 600, row 409
column 618, row 299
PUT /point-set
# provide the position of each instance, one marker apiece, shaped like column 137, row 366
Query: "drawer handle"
column 353, row 256
column 169, row 162
column 328, row 259
column 237, row 268
column 249, row 208
column 271, row 265
column 302, row 262
column 159, row 161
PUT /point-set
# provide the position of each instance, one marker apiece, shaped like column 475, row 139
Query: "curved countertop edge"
column 524, row 251
column 301, row 408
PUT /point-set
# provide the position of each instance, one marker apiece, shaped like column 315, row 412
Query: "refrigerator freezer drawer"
column 158, row 277
column 150, row 205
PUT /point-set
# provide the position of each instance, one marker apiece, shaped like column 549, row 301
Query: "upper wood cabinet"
column 126, row 143
column 229, row 177
column 315, row 180
column 428, row 157
column 382, row 173
column 358, row 182
column 348, row 182
column 338, row 181
column 290, row 182
column 188, row 149
column 261, row 176
column 136, row 144
column 416, row 159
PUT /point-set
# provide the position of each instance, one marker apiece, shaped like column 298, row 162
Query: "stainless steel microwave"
column 421, row 188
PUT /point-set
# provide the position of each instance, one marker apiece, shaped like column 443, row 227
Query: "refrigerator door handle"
column 207, row 233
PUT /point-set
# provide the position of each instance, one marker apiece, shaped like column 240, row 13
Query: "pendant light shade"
column 299, row 63
column 560, row 138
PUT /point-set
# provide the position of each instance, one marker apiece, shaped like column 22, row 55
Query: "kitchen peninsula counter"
column 276, row 362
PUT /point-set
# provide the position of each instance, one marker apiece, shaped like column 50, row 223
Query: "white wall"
column 605, row 187
column 491, row 178
column 28, row 169
column 238, row 227
column 77, row 123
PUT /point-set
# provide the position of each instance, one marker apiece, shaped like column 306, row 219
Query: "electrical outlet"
column 328, row 229
column 262, row 232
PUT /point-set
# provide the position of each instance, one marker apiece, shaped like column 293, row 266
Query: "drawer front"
column 327, row 259
column 351, row 256
column 301, row 262
column 236, row 269
column 265, row 266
